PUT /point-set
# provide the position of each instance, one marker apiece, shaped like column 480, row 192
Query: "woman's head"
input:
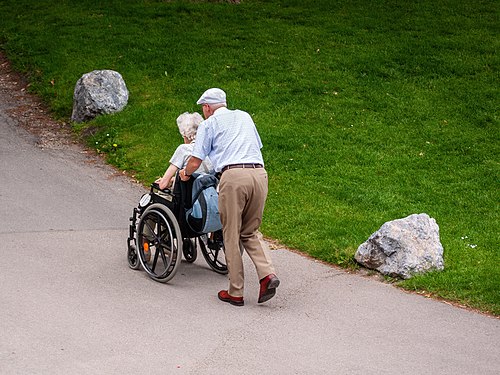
column 188, row 124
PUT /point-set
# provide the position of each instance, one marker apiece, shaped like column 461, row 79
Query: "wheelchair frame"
column 159, row 229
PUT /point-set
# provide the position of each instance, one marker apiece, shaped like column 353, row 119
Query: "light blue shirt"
column 228, row 137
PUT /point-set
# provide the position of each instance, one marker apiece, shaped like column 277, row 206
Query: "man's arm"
column 192, row 165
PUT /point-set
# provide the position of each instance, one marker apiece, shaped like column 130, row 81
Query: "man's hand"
column 182, row 174
column 193, row 164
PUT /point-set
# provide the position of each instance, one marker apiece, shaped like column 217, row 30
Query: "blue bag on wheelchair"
column 203, row 216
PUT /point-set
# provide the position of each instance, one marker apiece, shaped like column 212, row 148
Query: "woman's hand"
column 161, row 183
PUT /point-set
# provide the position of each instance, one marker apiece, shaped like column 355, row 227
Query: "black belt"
column 245, row 165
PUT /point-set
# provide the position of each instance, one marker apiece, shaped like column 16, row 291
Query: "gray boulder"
column 403, row 247
column 98, row 92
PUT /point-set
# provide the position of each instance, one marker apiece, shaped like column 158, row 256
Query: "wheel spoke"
column 166, row 235
column 165, row 241
column 155, row 260
column 163, row 256
column 151, row 229
column 216, row 254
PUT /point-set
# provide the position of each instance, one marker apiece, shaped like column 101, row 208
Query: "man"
column 231, row 141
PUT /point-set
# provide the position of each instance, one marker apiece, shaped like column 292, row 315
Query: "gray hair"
column 188, row 124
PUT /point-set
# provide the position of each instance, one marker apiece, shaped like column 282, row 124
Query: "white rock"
column 403, row 247
column 98, row 92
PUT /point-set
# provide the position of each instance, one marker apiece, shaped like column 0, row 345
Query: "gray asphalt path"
column 69, row 304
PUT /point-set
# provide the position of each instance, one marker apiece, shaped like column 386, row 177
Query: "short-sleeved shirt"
column 228, row 137
column 182, row 154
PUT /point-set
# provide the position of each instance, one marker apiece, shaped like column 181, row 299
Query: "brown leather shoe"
column 268, row 287
column 226, row 297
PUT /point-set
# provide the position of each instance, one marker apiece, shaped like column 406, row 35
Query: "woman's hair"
column 188, row 124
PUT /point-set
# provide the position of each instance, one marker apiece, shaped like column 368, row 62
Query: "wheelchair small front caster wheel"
column 133, row 259
column 189, row 250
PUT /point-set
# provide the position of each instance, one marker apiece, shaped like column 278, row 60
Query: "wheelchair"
column 159, row 230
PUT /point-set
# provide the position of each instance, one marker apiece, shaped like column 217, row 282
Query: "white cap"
column 212, row 96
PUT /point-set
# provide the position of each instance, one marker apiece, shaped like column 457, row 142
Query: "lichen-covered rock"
column 403, row 247
column 98, row 92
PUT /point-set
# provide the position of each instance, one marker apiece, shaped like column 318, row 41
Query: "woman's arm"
column 166, row 180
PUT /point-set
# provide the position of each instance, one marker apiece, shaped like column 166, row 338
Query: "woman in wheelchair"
column 188, row 125
column 162, row 229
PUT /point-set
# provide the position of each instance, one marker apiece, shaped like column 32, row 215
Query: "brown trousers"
column 242, row 196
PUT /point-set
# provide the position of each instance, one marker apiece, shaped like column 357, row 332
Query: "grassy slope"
column 369, row 110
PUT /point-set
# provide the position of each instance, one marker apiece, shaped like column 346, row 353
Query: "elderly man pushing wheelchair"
column 231, row 141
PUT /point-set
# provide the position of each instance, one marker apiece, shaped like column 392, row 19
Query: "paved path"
column 69, row 304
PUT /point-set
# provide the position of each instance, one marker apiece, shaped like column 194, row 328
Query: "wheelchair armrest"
column 154, row 185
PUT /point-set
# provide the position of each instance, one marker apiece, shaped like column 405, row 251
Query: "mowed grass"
column 369, row 111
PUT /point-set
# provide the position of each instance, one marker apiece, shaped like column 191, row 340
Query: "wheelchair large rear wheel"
column 159, row 242
column 212, row 248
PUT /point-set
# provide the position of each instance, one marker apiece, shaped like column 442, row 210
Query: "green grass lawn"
column 369, row 111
